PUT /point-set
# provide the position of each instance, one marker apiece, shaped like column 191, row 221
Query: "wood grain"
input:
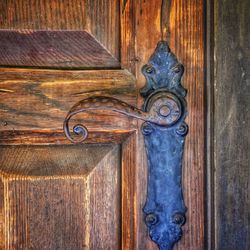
column 105, row 203
column 128, row 33
column 129, row 202
column 103, row 22
column 43, row 14
column 2, row 216
column 231, row 139
column 47, row 137
column 63, row 213
column 53, row 49
column 51, row 161
column 186, row 40
column 35, row 102
column 38, row 101
column 209, row 96
column 99, row 18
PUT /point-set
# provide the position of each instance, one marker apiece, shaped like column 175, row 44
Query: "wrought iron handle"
column 165, row 110
column 164, row 131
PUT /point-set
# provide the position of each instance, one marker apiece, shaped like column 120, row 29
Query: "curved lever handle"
column 100, row 103
column 164, row 110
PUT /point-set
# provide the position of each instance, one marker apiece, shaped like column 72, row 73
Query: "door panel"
column 59, row 34
column 60, row 197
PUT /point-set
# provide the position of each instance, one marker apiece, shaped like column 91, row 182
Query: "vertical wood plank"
column 103, row 23
column 209, row 95
column 186, row 40
column 128, row 25
column 231, row 124
column 129, row 203
column 105, row 203
column 2, row 215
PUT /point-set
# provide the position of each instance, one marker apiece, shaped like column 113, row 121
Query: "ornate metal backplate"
column 164, row 131
column 165, row 209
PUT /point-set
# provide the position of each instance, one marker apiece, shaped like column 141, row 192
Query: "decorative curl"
column 80, row 132
column 182, row 129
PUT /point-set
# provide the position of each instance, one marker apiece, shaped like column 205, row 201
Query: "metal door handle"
column 164, row 131
column 165, row 110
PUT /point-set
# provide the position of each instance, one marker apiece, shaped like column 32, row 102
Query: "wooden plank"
column 37, row 101
column 2, row 216
column 129, row 204
column 186, row 39
column 47, row 137
column 231, row 139
column 128, row 25
column 53, row 49
column 105, row 203
column 209, row 95
column 62, row 212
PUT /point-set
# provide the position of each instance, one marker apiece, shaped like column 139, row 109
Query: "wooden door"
column 55, row 195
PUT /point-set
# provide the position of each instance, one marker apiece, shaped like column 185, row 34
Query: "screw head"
column 150, row 69
column 164, row 110
column 147, row 128
column 178, row 68
column 151, row 219
column 179, row 219
column 182, row 129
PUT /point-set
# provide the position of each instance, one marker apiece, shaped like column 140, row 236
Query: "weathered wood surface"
column 129, row 60
column 45, row 209
column 103, row 22
column 99, row 18
column 53, row 49
column 34, row 103
column 43, row 15
column 186, row 39
column 129, row 227
column 48, row 137
column 50, row 161
column 140, row 32
column 231, row 139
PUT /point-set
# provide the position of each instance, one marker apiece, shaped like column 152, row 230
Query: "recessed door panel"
column 60, row 197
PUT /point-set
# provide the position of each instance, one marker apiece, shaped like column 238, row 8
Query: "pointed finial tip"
column 163, row 46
